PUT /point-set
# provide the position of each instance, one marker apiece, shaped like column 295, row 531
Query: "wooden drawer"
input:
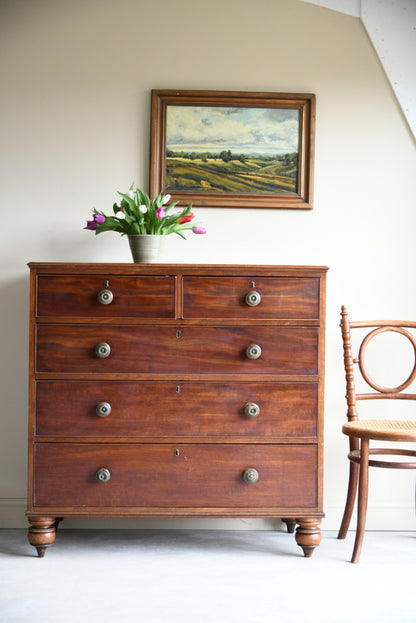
column 176, row 350
column 77, row 295
column 153, row 475
column 160, row 408
column 225, row 297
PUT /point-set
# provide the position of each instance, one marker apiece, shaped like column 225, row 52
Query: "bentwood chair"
column 361, row 432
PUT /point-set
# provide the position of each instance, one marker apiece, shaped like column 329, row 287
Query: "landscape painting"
column 233, row 150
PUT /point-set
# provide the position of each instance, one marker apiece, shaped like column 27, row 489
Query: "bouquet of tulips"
column 136, row 213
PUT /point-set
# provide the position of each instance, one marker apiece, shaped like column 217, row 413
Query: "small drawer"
column 184, row 409
column 100, row 296
column 168, row 475
column 250, row 297
column 176, row 350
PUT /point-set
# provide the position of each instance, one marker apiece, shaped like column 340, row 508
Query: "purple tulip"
column 160, row 213
column 92, row 225
column 98, row 219
column 198, row 229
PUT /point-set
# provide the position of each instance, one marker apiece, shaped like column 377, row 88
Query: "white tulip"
column 143, row 209
column 166, row 199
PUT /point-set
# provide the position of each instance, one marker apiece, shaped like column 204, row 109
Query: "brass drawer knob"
column 253, row 351
column 102, row 475
column 253, row 298
column 102, row 350
column 103, row 409
column 251, row 410
column 105, row 297
column 250, row 475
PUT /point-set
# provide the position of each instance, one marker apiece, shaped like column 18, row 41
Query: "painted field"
column 245, row 174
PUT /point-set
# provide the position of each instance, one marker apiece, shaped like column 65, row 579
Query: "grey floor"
column 206, row 576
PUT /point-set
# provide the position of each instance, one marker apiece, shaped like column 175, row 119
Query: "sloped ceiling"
column 351, row 7
column 391, row 26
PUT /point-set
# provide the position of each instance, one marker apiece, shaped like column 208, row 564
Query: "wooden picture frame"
column 233, row 149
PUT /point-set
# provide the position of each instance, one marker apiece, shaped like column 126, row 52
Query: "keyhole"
column 178, row 333
column 177, row 389
column 252, row 284
column 176, row 453
column 106, row 283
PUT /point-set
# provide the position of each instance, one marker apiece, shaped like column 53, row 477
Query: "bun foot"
column 308, row 534
column 290, row 525
column 41, row 533
column 41, row 551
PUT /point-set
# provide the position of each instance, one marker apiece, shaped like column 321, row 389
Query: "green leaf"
column 142, row 198
column 129, row 200
column 179, row 234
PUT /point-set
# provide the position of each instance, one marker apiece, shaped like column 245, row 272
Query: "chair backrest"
column 350, row 361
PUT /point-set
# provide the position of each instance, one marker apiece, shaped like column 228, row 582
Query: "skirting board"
column 12, row 515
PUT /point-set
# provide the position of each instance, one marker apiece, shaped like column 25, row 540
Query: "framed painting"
column 233, row 149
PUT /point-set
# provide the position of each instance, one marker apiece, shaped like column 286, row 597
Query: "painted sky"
column 266, row 131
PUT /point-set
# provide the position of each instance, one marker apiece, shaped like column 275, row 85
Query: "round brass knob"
column 253, row 298
column 103, row 409
column 102, row 350
column 105, row 297
column 102, row 475
column 251, row 410
column 253, row 351
column 250, row 475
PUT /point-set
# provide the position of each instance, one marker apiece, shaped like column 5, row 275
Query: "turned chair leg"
column 362, row 500
column 349, row 504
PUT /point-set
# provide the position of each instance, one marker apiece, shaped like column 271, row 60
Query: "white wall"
column 75, row 79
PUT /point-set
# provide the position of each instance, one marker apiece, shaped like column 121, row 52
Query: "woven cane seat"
column 385, row 430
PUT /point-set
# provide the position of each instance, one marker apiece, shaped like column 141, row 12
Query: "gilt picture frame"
column 233, row 149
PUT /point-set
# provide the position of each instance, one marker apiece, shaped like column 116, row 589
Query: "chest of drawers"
column 176, row 390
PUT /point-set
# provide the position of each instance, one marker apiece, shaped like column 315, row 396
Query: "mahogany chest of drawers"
column 176, row 390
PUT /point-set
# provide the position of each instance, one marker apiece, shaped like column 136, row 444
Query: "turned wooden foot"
column 308, row 534
column 57, row 522
column 41, row 533
column 290, row 525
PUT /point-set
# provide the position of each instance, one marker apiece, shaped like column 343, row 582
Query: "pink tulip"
column 160, row 213
column 198, row 229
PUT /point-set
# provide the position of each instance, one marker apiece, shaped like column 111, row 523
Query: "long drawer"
column 184, row 475
column 251, row 298
column 176, row 350
column 160, row 408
